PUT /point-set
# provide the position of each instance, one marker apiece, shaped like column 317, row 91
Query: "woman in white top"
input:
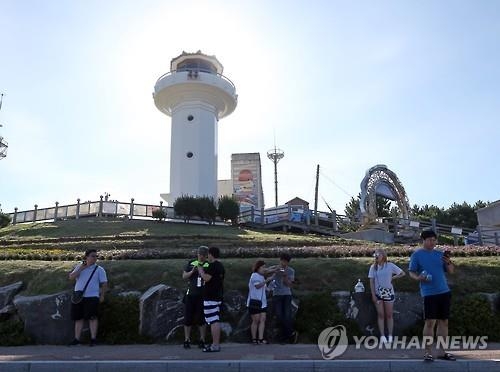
column 257, row 291
column 382, row 274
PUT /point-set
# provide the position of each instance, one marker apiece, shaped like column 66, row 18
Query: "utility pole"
column 316, row 220
column 275, row 155
column 3, row 143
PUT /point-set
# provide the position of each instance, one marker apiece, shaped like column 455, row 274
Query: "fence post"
column 55, row 211
column 99, row 213
column 34, row 212
column 480, row 235
column 131, row 216
column 262, row 222
column 433, row 221
column 252, row 214
column 77, row 208
column 14, row 219
column 334, row 218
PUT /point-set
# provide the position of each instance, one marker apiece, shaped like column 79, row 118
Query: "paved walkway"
column 233, row 357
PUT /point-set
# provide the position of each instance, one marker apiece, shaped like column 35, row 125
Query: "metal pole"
column 316, row 219
column 275, row 182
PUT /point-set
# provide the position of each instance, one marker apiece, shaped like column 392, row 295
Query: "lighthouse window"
column 189, row 154
column 190, row 118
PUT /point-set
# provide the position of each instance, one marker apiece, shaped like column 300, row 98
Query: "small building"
column 489, row 215
column 298, row 202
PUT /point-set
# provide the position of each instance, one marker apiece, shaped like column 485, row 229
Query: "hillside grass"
column 478, row 274
column 138, row 254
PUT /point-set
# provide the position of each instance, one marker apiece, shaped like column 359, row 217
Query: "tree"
column 160, row 214
column 228, row 209
column 206, row 209
column 383, row 206
column 185, row 206
column 4, row 220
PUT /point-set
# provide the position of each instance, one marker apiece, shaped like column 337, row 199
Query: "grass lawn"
column 313, row 274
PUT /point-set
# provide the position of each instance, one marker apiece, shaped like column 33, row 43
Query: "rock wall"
column 47, row 318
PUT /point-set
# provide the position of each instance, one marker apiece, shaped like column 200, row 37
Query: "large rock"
column 408, row 310
column 161, row 312
column 8, row 292
column 47, row 318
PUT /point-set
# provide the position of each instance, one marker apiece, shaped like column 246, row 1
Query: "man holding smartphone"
column 88, row 309
column 282, row 298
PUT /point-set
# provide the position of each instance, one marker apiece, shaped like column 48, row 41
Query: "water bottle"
column 359, row 287
column 426, row 275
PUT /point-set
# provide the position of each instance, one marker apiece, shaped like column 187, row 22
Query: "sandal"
column 255, row 341
column 263, row 341
column 211, row 349
column 428, row 357
column 447, row 356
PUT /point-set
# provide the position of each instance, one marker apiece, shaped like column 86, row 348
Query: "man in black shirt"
column 213, row 276
column 193, row 300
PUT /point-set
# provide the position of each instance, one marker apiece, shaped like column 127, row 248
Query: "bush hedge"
column 318, row 311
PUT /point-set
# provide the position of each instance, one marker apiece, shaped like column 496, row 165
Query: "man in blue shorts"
column 428, row 266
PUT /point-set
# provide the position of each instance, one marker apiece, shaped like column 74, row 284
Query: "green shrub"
column 318, row 311
column 12, row 333
column 185, row 207
column 160, row 214
column 206, row 209
column 119, row 321
column 4, row 220
column 472, row 315
column 228, row 209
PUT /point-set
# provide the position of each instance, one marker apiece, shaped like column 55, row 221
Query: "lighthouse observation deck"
column 195, row 79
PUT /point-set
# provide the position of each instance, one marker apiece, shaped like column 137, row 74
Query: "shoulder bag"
column 77, row 296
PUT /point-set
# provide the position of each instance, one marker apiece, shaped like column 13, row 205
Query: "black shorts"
column 257, row 311
column 193, row 311
column 437, row 306
column 87, row 309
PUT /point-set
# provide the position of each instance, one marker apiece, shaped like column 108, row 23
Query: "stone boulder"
column 161, row 312
column 408, row 310
column 47, row 318
column 8, row 292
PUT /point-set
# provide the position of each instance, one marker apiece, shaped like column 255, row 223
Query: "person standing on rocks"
column 193, row 300
column 88, row 309
column 213, row 291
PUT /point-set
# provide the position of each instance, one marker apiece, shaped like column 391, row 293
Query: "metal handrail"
column 198, row 70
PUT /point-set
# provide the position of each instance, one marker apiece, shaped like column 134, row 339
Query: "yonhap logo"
column 332, row 342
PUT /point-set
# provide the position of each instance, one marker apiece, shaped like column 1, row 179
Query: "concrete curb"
column 247, row 366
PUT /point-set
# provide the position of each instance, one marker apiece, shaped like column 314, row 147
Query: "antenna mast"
column 275, row 155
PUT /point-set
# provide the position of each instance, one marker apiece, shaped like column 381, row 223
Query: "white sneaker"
column 389, row 339
column 383, row 340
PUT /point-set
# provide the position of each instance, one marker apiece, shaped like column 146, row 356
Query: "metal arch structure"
column 3, row 148
column 380, row 180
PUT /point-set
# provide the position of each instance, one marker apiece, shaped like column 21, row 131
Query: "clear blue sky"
column 414, row 85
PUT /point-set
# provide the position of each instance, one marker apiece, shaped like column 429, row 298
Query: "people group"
column 205, row 289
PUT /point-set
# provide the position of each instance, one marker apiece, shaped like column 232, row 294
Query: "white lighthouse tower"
column 196, row 95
